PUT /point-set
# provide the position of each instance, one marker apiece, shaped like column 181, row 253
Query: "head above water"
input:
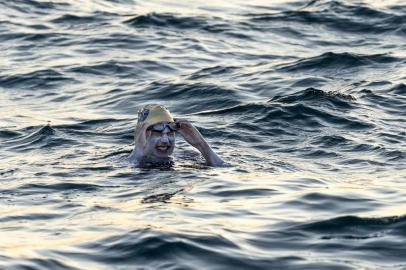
column 154, row 139
column 153, row 114
column 160, row 134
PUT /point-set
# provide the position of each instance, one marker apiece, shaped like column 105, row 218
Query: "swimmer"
column 154, row 138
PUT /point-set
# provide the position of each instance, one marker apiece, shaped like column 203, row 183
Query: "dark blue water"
column 306, row 101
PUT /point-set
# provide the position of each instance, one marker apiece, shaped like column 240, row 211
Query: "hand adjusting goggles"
column 161, row 126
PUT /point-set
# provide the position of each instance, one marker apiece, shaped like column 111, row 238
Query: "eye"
column 155, row 133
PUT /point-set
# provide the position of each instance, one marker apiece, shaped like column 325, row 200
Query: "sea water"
column 305, row 100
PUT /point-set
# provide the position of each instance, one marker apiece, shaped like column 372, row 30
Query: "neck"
column 152, row 161
column 142, row 160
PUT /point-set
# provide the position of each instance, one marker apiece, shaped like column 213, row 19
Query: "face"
column 160, row 144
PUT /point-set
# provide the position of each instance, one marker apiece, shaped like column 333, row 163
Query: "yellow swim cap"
column 154, row 113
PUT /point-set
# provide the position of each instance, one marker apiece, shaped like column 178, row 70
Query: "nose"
column 164, row 138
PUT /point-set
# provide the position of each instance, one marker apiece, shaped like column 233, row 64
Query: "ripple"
column 304, row 100
column 166, row 20
column 8, row 134
column 159, row 250
column 326, row 202
column 40, row 264
column 75, row 19
column 30, row 6
column 399, row 89
column 64, row 186
column 327, row 141
column 357, row 225
column 123, row 69
column 333, row 61
column 211, row 72
column 44, row 131
column 31, row 217
column 339, row 16
column 246, row 193
column 40, row 79
column 175, row 94
column 337, row 99
column 147, row 243
column 212, row 25
column 42, row 138
column 300, row 114
column 391, row 104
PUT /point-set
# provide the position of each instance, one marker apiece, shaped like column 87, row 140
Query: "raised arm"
column 194, row 138
column 140, row 139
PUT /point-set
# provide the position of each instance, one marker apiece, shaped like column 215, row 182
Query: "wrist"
column 210, row 156
column 137, row 153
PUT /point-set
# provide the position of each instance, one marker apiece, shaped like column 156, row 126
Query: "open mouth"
column 163, row 148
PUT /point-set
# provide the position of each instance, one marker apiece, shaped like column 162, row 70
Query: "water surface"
column 306, row 101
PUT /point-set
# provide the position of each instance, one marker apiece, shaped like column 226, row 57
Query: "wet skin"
column 160, row 144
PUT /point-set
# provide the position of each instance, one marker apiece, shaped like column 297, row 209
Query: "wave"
column 8, row 134
column 356, row 226
column 123, row 69
column 342, row 7
column 295, row 109
column 39, row 79
column 399, row 89
column 337, row 99
column 106, row 68
column 40, row 264
column 357, row 236
column 392, row 104
column 202, row 91
column 163, row 250
column 75, row 19
column 62, row 186
column 393, row 137
column 320, row 202
column 180, row 98
column 227, row 192
column 267, row 125
column 142, row 245
column 212, row 72
column 339, row 16
column 119, row 131
column 327, row 141
column 167, row 20
column 334, row 61
column 31, row 217
column 41, row 132
column 45, row 137
column 32, row 6
column 212, row 25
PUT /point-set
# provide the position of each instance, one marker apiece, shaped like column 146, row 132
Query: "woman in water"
column 154, row 139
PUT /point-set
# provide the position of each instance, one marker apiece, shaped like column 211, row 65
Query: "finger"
column 181, row 120
column 184, row 123
column 178, row 123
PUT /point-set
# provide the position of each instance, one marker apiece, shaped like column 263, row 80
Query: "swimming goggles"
column 161, row 126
